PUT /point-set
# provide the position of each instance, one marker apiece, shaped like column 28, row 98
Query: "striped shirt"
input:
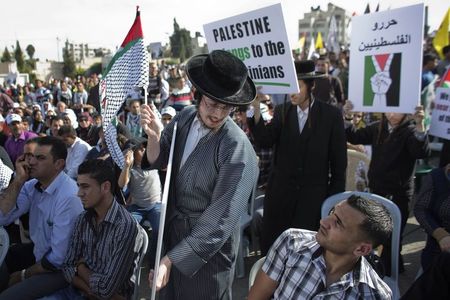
column 110, row 250
column 296, row 262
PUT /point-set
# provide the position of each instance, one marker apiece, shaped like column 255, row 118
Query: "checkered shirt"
column 296, row 262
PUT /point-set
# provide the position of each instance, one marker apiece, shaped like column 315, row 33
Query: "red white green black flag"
column 127, row 71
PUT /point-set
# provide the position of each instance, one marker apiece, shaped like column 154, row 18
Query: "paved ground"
column 413, row 243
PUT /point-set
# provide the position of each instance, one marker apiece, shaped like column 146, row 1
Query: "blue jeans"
column 151, row 214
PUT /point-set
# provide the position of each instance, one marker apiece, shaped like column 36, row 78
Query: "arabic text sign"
column 259, row 39
column 440, row 119
column 386, row 60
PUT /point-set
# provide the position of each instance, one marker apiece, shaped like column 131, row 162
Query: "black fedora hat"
column 222, row 77
column 306, row 69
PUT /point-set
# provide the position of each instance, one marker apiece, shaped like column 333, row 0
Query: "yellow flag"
column 301, row 43
column 441, row 38
column 319, row 42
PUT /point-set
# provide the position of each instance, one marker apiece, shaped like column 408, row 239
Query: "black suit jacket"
column 307, row 167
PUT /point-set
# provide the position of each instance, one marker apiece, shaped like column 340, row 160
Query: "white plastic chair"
column 137, row 270
column 392, row 281
column 4, row 244
column 254, row 271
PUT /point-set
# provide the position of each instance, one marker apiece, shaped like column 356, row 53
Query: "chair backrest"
column 357, row 167
column 143, row 244
column 4, row 244
column 392, row 281
column 254, row 270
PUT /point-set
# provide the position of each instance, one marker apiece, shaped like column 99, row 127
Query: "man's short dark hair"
column 31, row 141
column 99, row 170
column 377, row 225
column 58, row 150
column 67, row 130
column 427, row 58
column 56, row 118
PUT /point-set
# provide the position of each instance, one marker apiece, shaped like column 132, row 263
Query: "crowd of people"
column 232, row 143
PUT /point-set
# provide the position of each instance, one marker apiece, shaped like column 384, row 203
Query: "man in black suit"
column 310, row 158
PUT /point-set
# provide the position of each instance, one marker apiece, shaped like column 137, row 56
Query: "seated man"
column 51, row 199
column 304, row 264
column 77, row 149
column 101, row 256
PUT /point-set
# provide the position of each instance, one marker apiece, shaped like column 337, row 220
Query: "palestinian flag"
column 445, row 80
column 127, row 71
column 384, row 68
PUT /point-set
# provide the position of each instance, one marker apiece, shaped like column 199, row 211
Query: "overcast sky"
column 104, row 23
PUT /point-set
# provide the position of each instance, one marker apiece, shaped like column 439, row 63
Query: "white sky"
column 104, row 23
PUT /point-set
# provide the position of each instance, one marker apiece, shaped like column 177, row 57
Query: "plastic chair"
column 244, row 222
column 254, row 271
column 354, row 159
column 142, row 251
column 392, row 281
column 4, row 244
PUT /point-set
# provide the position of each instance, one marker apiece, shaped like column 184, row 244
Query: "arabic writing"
column 401, row 39
column 382, row 26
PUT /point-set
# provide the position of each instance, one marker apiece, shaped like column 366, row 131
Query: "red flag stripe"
column 135, row 30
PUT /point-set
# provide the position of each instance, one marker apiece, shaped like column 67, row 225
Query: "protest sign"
column 386, row 60
column 259, row 39
column 440, row 119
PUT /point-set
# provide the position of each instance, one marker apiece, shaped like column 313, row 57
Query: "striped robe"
column 207, row 197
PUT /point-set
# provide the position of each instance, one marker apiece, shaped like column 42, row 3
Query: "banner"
column 386, row 60
column 440, row 119
column 259, row 39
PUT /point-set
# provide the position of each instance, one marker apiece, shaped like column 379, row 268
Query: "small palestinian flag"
column 445, row 80
column 382, row 79
column 127, row 71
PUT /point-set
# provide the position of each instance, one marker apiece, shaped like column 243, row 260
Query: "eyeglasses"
column 212, row 107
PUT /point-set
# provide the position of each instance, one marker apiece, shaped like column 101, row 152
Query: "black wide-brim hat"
column 221, row 76
column 306, row 69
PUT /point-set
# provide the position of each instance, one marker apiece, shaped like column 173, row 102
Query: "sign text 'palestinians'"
column 440, row 118
column 385, row 69
column 259, row 39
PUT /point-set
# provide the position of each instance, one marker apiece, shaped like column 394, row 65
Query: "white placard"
column 440, row 118
column 259, row 39
column 386, row 60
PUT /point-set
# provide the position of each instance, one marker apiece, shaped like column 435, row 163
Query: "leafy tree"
column 18, row 55
column 69, row 68
column 95, row 68
column 180, row 42
column 30, row 51
column 6, row 57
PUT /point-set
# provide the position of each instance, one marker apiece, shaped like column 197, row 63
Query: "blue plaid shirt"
column 296, row 262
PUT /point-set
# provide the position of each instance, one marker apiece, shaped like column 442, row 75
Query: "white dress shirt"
column 75, row 156
column 196, row 132
column 303, row 116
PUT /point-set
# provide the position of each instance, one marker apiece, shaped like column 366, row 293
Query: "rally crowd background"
column 69, row 108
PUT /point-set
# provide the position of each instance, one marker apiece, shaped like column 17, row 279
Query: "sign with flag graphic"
column 127, row 71
column 440, row 118
column 386, row 61
column 379, row 69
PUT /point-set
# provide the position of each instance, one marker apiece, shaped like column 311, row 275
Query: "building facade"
column 319, row 21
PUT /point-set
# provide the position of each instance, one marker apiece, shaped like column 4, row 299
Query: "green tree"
column 18, row 55
column 30, row 51
column 180, row 42
column 69, row 68
column 6, row 57
column 95, row 68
